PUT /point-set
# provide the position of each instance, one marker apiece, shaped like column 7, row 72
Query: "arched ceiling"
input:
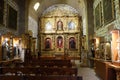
column 79, row 5
column 60, row 10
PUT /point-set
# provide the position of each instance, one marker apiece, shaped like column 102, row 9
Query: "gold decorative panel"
column 60, row 28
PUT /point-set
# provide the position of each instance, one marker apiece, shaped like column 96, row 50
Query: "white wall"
column 33, row 26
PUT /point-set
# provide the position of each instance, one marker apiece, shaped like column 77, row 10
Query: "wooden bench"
column 49, row 63
column 40, row 78
column 40, row 70
column 54, row 77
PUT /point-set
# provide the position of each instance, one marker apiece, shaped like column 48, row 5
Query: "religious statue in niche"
column 72, row 43
column 59, row 25
column 47, row 43
column 16, row 51
column 5, row 49
column 59, row 42
column 71, row 25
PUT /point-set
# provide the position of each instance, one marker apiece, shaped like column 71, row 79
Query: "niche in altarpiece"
column 72, row 43
column 47, row 44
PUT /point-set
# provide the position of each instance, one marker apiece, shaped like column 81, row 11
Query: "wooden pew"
column 54, row 77
column 40, row 70
column 10, row 78
column 40, row 78
column 49, row 63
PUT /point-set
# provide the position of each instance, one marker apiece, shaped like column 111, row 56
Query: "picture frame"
column 72, row 43
column 47, row 44
column 1, row 12
column 108, row 11
column 12, row 18
column 97, row 16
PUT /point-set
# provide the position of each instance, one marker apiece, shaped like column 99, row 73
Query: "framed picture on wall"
column 97, row 16
column 71, row 25
column 108, row 11
column 47, row 43
column 1, row 11
column 72, row 43
column 12, row 18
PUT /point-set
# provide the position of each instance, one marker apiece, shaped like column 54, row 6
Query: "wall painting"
column 12, row 18
column 1, row 11
column 108, row 11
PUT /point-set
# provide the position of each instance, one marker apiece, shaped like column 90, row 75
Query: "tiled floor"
column 86, row 72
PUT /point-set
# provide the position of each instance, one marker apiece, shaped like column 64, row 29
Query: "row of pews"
column 40, row 77
column 39, row 69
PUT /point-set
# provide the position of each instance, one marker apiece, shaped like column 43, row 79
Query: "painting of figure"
column 47, row 43
column 72, row 43
column 59, row 42
column 48, row 26
column 59, row 25
column 1, row 11
column 71, row 25
column 97, row 16
column 108, row 10
column 12, row 18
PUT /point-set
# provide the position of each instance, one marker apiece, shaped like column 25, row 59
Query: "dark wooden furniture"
column 40, row 71
column 41, row 77
column 104, row 70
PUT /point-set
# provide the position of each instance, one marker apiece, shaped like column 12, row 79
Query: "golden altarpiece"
column 59, row 32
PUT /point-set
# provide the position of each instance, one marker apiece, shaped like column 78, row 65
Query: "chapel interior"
column 59, row 39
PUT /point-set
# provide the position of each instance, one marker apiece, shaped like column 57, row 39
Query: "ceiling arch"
column 79, row 5
column 60, row 10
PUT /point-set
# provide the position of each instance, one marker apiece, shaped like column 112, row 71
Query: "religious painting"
column 108, row 11
column 71, row 25
column 72, row 43
column 48, row 26
column 59, row 41
column 97, row 16
column 119, row 5
column 59, row 25
column 12, row 18
column 47, row 43
column 1, row 11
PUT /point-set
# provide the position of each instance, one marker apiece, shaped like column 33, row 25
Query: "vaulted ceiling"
column 83, row 7
column 79, row 5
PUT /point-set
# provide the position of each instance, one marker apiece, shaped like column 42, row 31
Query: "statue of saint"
column 47, row 44
column 59, row 25
column 72, row 43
